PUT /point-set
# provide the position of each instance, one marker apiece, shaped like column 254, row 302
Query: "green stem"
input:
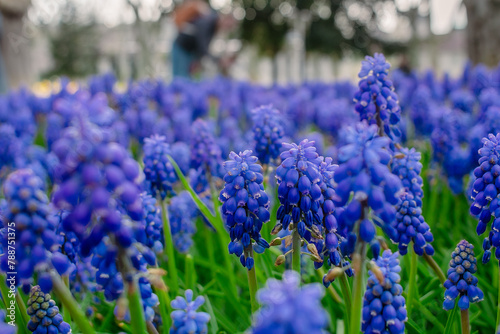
column 222, row 234
column 296, row 243
column 169, row 249
column 435, row 267
column 358, row 292
column 165, row 309
column 190, row 272
column 252, row 281
column 22, row 308
column 137, row 322
column 8, row 300
column 413, row 279
column 209, row 241
column 65, row 313
column 498, row 301
column 346, row 292
column 464, row 317
column 66, row 298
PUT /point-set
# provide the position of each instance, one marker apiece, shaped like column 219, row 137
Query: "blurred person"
column 197, row 24
column 15, row 43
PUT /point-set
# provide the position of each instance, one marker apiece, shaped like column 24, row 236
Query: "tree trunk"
column 483, row 39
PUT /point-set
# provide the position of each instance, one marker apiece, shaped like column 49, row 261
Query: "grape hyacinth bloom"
column 384, row 309
column 160, row 173
column 485, row 191
column 289, row 308
column 6, row 327
column 363, row 172
column 410, row 224
column 461, row 282
column 267, row 132
column 329, row 246
column 150, row 231
column 376, row 101
column 28, row 212
column 181, row 216
column 44, row 314
column 205, row 153
column 299, row 189
column 97, row 184
column 185, row 317
column 245, row 205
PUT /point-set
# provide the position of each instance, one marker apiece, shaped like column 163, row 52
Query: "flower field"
column 227, row 207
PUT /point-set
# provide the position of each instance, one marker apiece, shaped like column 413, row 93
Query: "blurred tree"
column 74, row 45
column 483, row 24
column 328, row 27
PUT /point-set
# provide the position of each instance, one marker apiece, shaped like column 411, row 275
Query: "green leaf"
column 452, row 319
column 414, row 327
column 199, row 203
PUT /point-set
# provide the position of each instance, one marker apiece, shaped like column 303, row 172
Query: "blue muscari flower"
column 299, row 190
column 185, row 317
column 10, row 149
column 384, row 309
column 181, row 217
column 268, row 133
column 446, row 138
column 159, row 172
column 27, row 206
column 363, row 172
column 245, row 205
column 289, row 308
column 486, row 204
column 150, row 231
column 181, row 154
column 97, row 184
column 205, row 152
column 422, row 106
column 461, row 282
column 376, row 101
column 44, row 314
column 329, row 246
column 463, row 100
column 410, row 224
column 5, row 327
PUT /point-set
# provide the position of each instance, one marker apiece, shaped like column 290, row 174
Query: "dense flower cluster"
column 363, row 172
column 245, row 205
column 185, row 317
column 376, row 100
column 27, row 213
column 45, row 316
column 299, row 190
column 486, row 203
column 97, row 185
column 461, row 282
column 410, row 225
column 268, row 133
column 289, row 308
column 160, row 173
column 384, row 309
